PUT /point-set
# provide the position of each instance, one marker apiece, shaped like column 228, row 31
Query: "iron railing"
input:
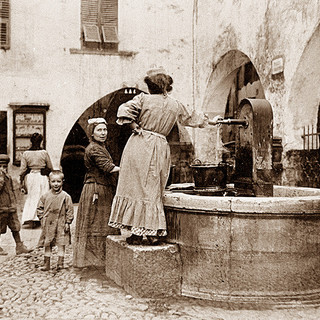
column 310, row 138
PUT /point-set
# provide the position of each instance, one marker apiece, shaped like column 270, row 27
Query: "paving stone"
column 19, row 279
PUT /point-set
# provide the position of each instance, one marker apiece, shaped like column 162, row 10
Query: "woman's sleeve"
column 23, row 166
column 48, row 161
column 195, row 119
column 69, row 210
column 102, row 159
column 130, row 110
column 40, row 208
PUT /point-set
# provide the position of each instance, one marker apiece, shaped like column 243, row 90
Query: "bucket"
column 209, row 175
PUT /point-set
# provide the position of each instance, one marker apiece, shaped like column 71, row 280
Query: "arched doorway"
column 304, row 96
column 72, row 163
column 72, row 155
column 233, row 78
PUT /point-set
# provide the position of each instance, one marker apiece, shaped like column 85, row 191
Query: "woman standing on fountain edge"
column 145, row 163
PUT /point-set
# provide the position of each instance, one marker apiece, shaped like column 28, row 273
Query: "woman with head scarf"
column 34, row 168
column 95, row 200
column 145, row 162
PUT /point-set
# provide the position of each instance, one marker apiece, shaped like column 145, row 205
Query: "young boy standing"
column 55, row 211
column 8, row 209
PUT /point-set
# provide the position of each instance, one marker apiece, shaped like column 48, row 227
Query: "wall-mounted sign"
column 277, row 66
column 27, row 119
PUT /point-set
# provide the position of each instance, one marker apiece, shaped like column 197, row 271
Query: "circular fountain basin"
column 251, row 251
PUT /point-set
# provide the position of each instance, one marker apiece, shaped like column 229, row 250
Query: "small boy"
column 8, row 209
column 55, row 211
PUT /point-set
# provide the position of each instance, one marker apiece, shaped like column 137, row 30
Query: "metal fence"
column 310, row 138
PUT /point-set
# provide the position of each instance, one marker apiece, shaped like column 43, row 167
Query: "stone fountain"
column 257, row 250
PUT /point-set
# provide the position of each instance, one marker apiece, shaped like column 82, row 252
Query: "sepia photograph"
column 159, row 160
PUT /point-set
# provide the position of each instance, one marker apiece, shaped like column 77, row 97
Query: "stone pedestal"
column 144, row 271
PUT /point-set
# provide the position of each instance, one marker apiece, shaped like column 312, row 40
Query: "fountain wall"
column 254, row 251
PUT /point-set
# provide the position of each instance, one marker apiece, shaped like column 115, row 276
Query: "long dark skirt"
column 89, row 248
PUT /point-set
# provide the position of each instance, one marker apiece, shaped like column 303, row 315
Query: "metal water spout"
column 253, row 156
column 240, row 122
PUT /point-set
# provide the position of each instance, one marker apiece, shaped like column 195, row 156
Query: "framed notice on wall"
column 27, row 119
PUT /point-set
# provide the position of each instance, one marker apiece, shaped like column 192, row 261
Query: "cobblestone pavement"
column 73, row 294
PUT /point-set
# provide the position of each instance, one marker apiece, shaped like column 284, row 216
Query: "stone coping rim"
column 302, row 204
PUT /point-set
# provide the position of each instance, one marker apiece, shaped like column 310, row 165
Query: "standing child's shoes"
column 2, row 252
column 46, row 265
column 21, row 248
column 60, row 263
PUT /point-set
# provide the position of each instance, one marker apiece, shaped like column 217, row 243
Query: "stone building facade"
column 69, row 58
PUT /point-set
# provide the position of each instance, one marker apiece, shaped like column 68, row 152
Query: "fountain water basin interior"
column 254, row 251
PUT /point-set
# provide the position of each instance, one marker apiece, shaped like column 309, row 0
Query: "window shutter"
column 109, row 20
column 110, row 34
column 109, row 13
column 89, row 19
column 100, row 18
column 91, row 33
column 89, row 12
column 4, row 24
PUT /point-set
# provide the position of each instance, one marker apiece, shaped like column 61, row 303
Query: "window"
column 4, row 24
column 99, row 19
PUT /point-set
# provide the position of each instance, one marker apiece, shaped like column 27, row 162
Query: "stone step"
column 143, row 270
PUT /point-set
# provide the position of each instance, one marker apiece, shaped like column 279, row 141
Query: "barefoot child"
column 55, row 211
column 8, row 209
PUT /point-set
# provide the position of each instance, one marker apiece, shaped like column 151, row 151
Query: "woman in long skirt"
column 34, row 169
column 95, row 200
column 145, row 161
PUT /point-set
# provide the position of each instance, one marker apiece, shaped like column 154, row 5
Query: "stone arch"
column 222, row 78
column 76, row 141
column 304, row 96
column 233, row 78
column 73, row 150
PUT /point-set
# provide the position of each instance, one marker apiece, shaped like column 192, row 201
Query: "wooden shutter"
column 100, row 17
column 109, row 13
column 110, row 34
column 89, row 12
column 90, row 21
column 91, row 33
column 109, row 20
column 4, row 24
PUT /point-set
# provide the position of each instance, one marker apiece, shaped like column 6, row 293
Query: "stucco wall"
column 262, row 31
column 44, row 64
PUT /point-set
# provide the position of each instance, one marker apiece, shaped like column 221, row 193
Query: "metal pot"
column 209, row 175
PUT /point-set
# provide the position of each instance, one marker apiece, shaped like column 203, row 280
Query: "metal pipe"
column 239, row 122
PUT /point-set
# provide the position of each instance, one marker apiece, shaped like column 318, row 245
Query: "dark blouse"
column 7, row 196
column 99, row 164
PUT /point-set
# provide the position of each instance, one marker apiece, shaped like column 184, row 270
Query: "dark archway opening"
column 246, row 84
column 72, row 161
